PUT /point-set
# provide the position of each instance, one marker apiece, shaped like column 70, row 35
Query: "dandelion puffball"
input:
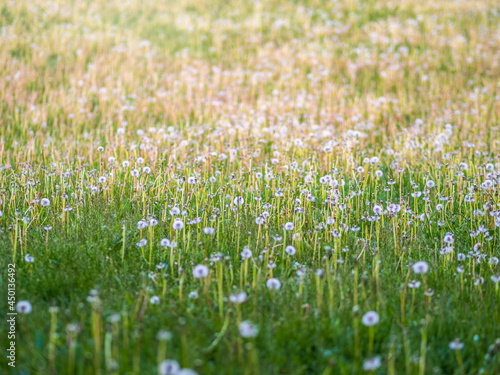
column 370, row 318
column 420, row 267
column 273, row 284
column 200, row 271
column 24, row 307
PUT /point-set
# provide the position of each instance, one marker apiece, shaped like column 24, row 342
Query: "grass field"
column 250, row 187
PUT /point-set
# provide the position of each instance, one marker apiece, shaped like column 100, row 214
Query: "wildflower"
column 238, row 297
column 155, row 300
column 200, row 271
column 178, row 224
column 260, row 220
column 163, row 335
column 290, row 250
column 495, row 279
column 430, row 184
column 289, row 226
column 24, row 307
column 186, row 371
column 45, row 202
column 487, row 184
column 372, row 364
column 420, row 267
column 394, row 208
column 142, row 242
column 378, row 210
column 246, row 253
column 247, row 329
column 193, row 295
column 456, row 345
column 28, row 258
column 429, row 292
column 479, row 280
column 238, row 201
column 169, row 367
column 448, row 238
column 273, row 284
column 175, row 211
column 208, row 230
column 142, row 224
column 414, row 284
column 370, row 318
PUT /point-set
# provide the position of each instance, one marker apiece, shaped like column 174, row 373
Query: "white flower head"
column 273, row 284
column 370, row 318
column 200, row 271
column 178, row 224
column 169, row 367
column 420, row 267
column 372, row 364
column 24, row 307
column 456, row 345
column 155, row 300
column 247, row 329
column 238, row 201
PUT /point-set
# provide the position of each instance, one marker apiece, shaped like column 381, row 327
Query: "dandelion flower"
column 200, row 271
column 24, row 307
column 178, row 224
column 273, row 283
column 456, row 345
column 420, row 267
column 155, row 300
column 372, row 364
column 370, row 318
column 247, row 329
column 169, row 367
column 290, row 250
column 238, row 297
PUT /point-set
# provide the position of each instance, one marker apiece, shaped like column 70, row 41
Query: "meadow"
column 250, row 187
